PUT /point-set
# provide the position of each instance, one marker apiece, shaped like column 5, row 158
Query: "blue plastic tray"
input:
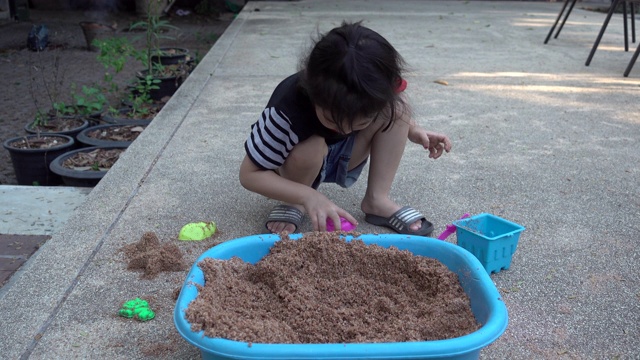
column 486, row 305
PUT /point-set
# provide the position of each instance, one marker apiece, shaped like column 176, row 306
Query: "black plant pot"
column 167, row 87
column 170, row 56
column 71, row 177
column 121, row 117
column 31, row 166
column 69, row 132
column 84, row 138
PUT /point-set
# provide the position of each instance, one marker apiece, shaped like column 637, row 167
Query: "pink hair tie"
column 402, row 85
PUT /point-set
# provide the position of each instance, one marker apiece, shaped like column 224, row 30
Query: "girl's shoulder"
column 287, row 91
column 289, row 98
column 292, row 101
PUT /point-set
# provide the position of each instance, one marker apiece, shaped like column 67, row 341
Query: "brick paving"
column 15, row 250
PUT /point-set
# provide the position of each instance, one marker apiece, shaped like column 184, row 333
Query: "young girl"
column 323, row 123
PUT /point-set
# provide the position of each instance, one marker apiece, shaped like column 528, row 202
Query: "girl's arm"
column 272, row 185
column 268, row 183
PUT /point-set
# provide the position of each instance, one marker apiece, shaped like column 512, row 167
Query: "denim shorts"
column 335, row 168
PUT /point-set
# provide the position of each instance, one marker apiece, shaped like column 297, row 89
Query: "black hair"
column 352, row 71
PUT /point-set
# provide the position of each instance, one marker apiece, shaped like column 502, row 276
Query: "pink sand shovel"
column 345, row 225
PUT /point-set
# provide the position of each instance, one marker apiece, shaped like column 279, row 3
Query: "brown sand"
column 321, row 289
column 152, row 257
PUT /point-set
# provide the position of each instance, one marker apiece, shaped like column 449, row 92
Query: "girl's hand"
column 319, row 208
column 436, row 143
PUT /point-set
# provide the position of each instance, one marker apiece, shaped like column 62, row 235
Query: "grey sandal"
column 285, row 213
column 401, row 220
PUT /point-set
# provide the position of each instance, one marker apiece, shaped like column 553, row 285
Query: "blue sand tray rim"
column 486, row 305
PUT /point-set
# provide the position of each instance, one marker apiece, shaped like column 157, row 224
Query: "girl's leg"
column 385, row 151
column 302, row 166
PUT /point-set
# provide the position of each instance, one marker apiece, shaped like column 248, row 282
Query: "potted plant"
column 70, row 119
column 170, row 56
column 114, row 53
column 85, row 167
column 168, row 66
column 47, row 123
column 154, row 28
column 112, row 134
column 133, row 111
column 88, row 103
column 168, row 79
column 65, row 118
column 138, row 105
column 32, row 154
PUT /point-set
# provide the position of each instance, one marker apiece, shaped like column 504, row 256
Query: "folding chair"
column 612, row 9
column 614, row 5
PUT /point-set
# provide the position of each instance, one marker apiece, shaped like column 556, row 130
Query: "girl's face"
column 359, row 123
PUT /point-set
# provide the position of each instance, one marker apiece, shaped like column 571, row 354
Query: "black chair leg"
column 624, row 21
column 573, row 3
column 633, row 22
column 564, row 6
column 614, row 5
column 632, row 62
column 557, row 20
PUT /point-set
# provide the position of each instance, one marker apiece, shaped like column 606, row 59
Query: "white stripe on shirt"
column 266, row 158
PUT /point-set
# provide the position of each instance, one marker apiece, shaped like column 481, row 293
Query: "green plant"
column 62, row 109
column 154, row 28
column 51, row 87
column 113, row 55
column 52, row 79
column 89, row 101
column 140, row 97
column 40, row 119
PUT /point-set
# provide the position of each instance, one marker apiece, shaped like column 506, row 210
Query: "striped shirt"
column 288, row 119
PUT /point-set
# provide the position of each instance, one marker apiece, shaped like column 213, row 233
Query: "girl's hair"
column 352, row 71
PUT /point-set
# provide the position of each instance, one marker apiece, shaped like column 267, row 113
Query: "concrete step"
column 37, row 210
column 28, row 217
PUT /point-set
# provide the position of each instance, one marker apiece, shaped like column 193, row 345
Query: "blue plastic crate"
column 486, row 304
column 489, row 238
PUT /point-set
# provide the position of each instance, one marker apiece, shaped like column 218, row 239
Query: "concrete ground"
column 539, row 139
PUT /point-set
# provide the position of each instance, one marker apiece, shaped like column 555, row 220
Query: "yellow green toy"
column 197, row 231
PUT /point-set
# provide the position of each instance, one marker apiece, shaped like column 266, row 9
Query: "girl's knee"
column 308, row 154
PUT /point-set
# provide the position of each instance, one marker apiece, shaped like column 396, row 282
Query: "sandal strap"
column 286, row 213
column 405, row 217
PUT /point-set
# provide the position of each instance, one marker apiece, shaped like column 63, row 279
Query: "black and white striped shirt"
column 288, row 119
